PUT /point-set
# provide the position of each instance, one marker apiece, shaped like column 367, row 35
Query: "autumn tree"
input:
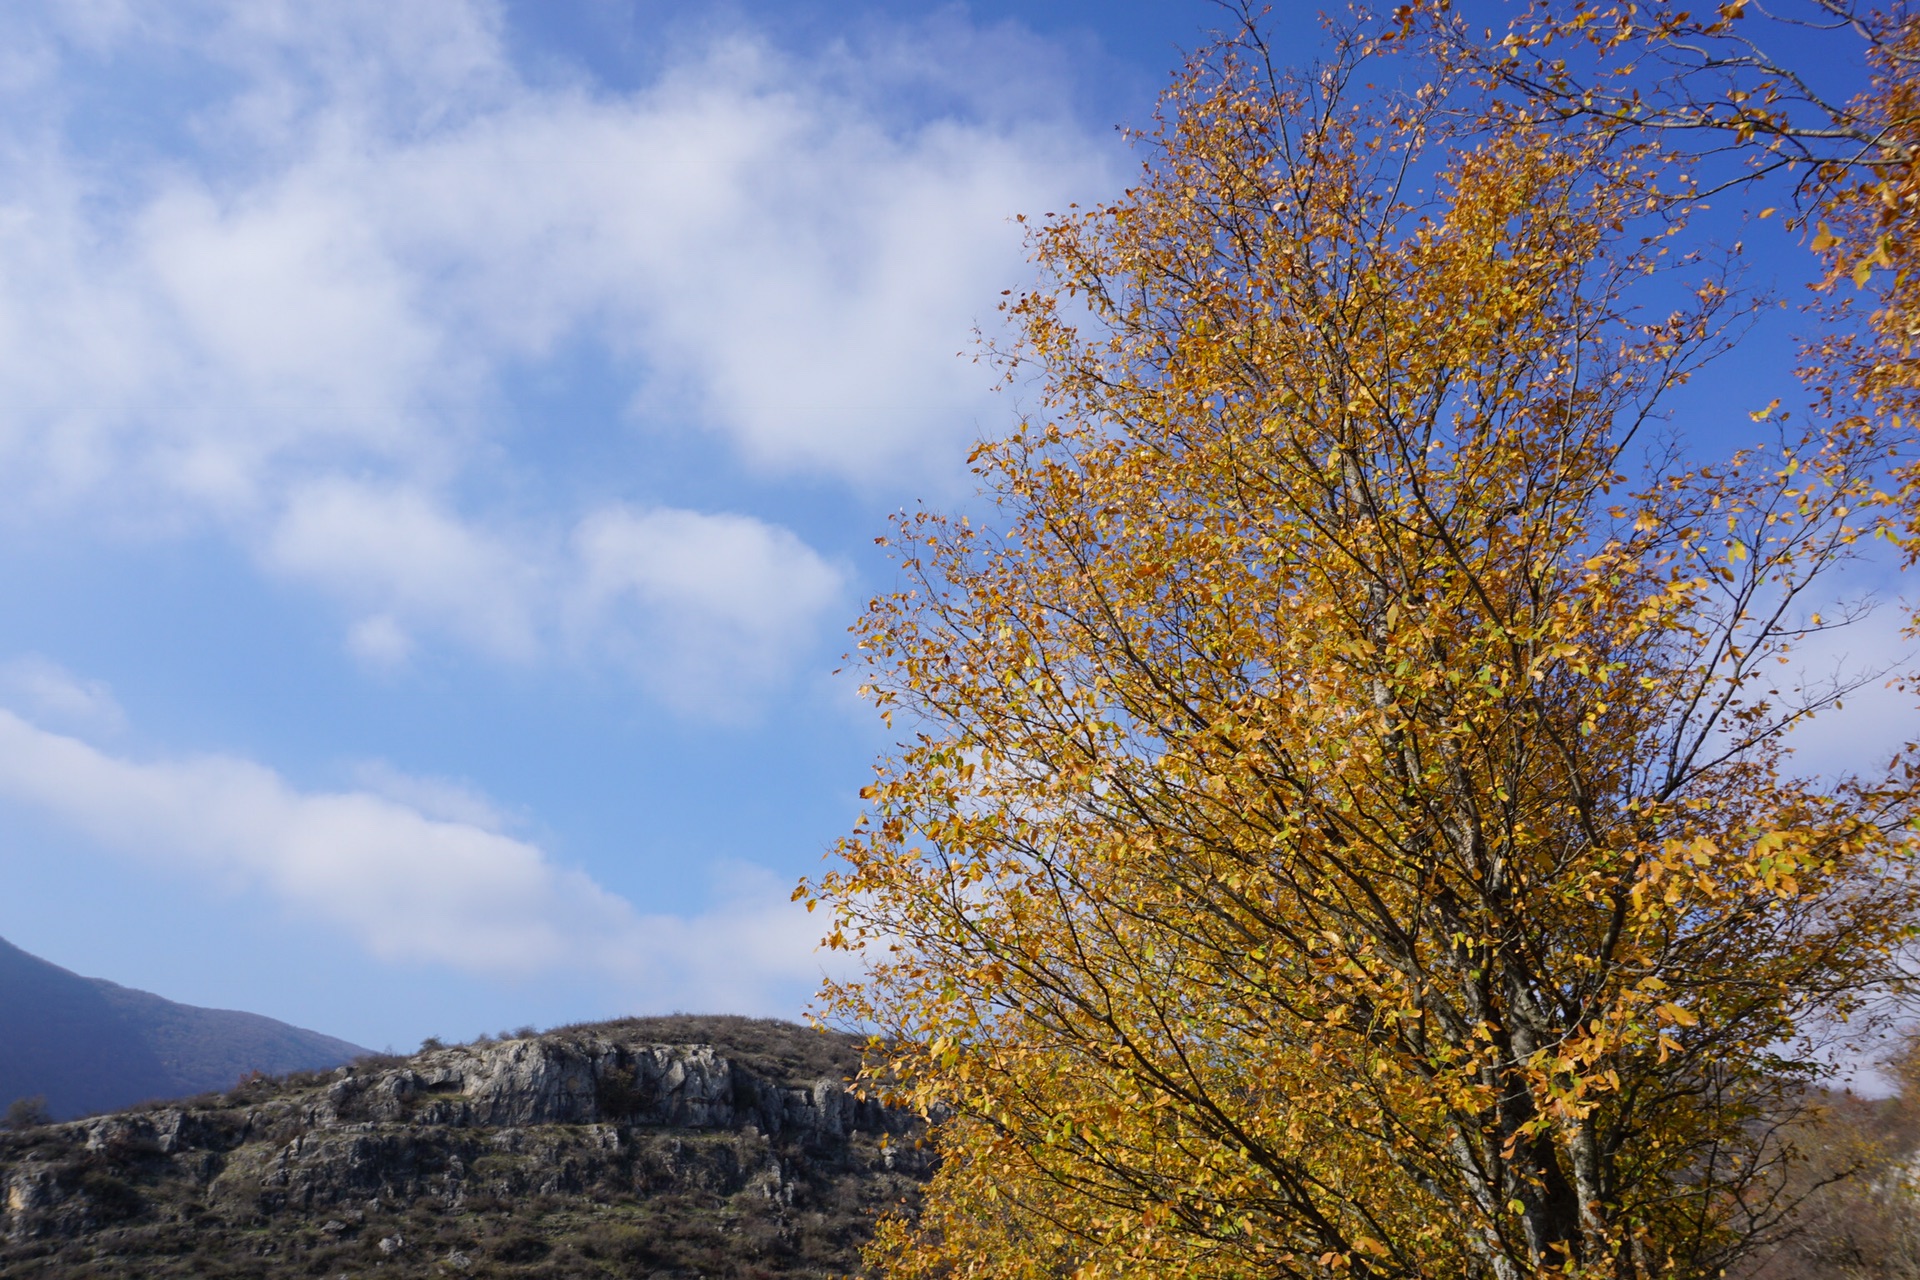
column 1343, row 824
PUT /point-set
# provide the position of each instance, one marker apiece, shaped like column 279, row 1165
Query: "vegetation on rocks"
column 718, row 1147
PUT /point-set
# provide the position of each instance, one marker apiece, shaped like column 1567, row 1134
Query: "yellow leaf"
column 1680, row 1016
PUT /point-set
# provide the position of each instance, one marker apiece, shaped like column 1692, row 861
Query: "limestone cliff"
column 666, row 1147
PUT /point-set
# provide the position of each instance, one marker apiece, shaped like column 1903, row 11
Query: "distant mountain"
column 89, row 1045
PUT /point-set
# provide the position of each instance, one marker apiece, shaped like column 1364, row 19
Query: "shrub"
column 520, row 1247
column 28, row 1113
column 113, row 1198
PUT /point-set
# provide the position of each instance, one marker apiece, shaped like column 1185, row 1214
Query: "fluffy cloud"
column 412, row 869
column 710, row 598
column 394, row 554
column 287, row 294
column 708, row 608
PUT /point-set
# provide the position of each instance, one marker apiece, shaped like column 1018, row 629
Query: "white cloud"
column 395, row 554
column 286, row 298
column 405, row 885
column 443, row 799
column 379, row 641
column 422, row 872
column 749, row 231
column 708, row 608
column 50, row 691
column 289, row 308
column 726, row 959
column 720, row 596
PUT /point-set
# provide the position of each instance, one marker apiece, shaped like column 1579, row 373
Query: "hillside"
column 717, row 1147
column 87, row 1045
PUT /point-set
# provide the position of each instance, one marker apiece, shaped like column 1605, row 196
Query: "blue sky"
column 442, row 447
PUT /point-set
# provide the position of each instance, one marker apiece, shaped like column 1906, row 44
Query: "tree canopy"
column 1344, row 823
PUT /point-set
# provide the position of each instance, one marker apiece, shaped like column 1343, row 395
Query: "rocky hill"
column 86, row 1044
column 715, row 1147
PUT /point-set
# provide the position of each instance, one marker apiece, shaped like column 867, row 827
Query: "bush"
column 618, row 1096
column 520, row 1247
column 608, row 1242
column 113, row 1198
column 28, row 1113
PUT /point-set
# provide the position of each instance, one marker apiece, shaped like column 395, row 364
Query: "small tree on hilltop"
column 27, row 1113
column 1345, row 827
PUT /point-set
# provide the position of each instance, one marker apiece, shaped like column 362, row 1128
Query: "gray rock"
column 595, row 1112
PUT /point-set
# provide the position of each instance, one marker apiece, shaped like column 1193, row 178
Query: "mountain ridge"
column 88, row 1045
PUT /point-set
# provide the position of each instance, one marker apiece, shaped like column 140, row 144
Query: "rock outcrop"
column 626, row 1148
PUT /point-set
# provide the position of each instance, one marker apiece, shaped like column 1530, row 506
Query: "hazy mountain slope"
column 662, row 1147
column 91, row 1045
